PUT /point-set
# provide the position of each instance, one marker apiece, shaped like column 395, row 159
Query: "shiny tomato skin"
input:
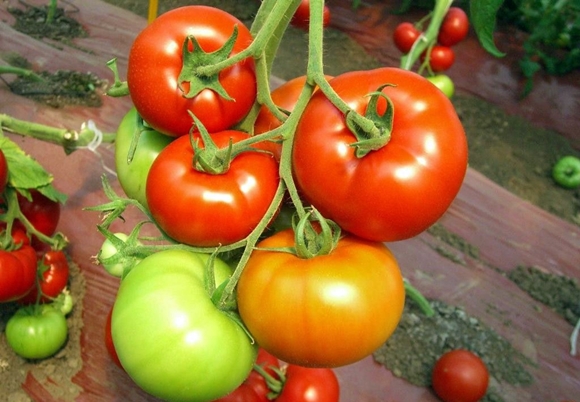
column 171, row 338
column 460, row 376
column 155, row 62
column 203, row 209
column 36, row 332
column 305, row 384
column 54, row 278
column 17, row 273
column 301, row 18
column 454, row 27
column 3, row 172
column 405, row 35
column 441, row 58
column 398, row 191
column 326, row 311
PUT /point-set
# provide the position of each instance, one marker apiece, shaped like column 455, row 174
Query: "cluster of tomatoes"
column 32, row 274
column 440, row 55
column 324, row 292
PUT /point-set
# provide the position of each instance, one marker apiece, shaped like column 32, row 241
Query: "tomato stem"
column 418, row 298
column 119, row 88
column 69, row 140
column 429, row 37
column 574, row 338
column 13, row 213
column 21, row 72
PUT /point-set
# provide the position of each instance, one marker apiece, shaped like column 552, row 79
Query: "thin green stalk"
column 258, row 46
column 50, row 12
column 21, row 72
column 429, row 36
column 418, row 298
column 70, row 140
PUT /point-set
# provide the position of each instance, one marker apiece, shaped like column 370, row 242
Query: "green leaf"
column 483, row 15
column 26, row 173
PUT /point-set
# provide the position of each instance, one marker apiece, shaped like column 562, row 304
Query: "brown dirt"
column 54, row 373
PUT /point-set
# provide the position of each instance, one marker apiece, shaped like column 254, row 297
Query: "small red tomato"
column 301, row 18
column 460, row 376
column 441, row 58
column 454, row 27
column 54, row 278
column 405, row 35
column 304, row 384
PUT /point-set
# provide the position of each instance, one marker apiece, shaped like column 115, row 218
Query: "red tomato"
column 208, row 210
column 460, row 376
column 325, row 311
column 301, row 17
column 155, row 63
column 454, row 27
column 398, row 191
column 244, row 393
column 304, row 384
column 42, row 212
column 17, row 272
column 441, row 58
column 405, row 35
column 255, row 380
column 3, row 172
column 109, row 341
column 54, row 278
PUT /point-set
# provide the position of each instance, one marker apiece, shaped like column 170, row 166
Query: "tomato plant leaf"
column 483, row 14
column 26, row 173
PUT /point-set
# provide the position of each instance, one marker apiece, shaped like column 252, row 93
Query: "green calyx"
column 315, row 235
column 373, row 130
column 197, row 57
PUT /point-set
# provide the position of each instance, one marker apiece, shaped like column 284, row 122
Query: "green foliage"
column 26, row 173
column 483, row 14
column 554, row 40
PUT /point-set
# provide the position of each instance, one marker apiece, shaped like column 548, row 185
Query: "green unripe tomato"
column 108, row 250
column 36, row 332
column 171, row 338
column 444, row 83
column 566, row 172
column 133, row 176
